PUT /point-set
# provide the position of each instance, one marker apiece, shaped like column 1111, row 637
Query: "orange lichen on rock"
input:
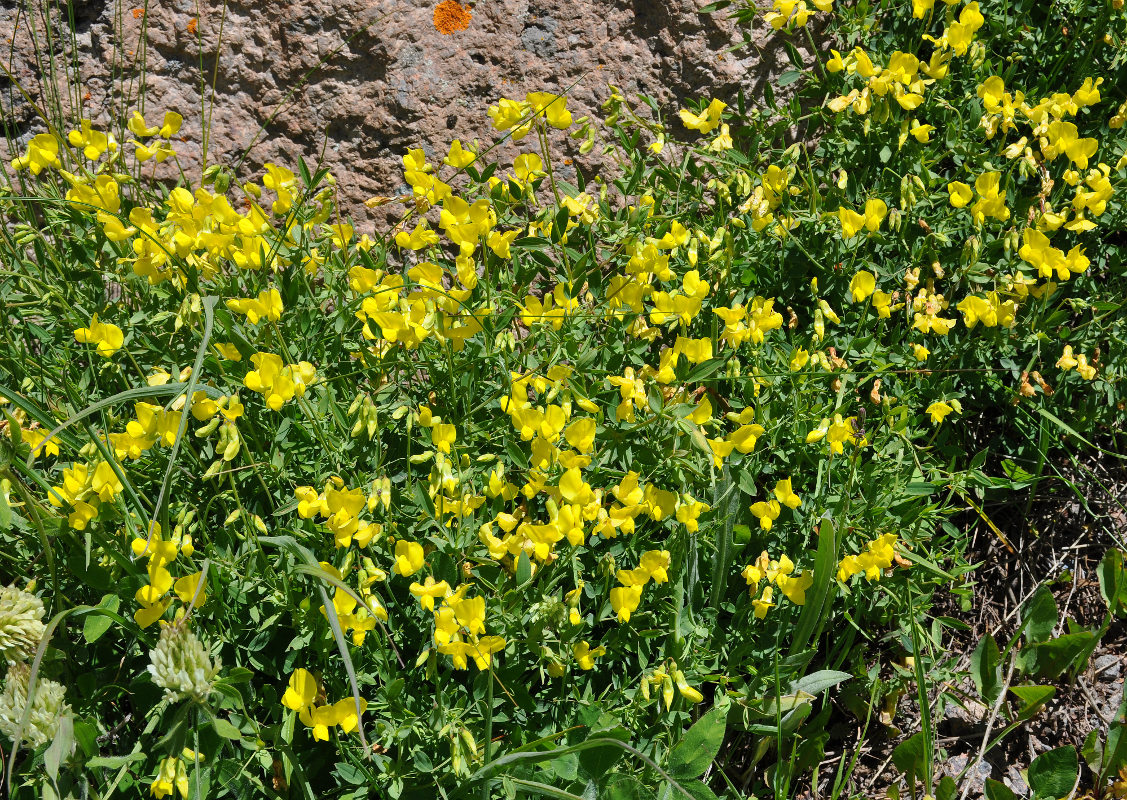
column 451, row 16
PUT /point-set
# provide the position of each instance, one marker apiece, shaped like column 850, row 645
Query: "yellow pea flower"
column 429, row 591
column 745, row 437
column 408, row 558
column 1067, row 361
column 443, row 436
column 851, row 222
column 705, row 121
column 458, row 157
column 585, row 656
column 794, row 587
column 921, row 132
column 762, row 603
column 786, row 495
column 960, row 193
column 42, row 153
column 767, row 512
column 939, row 410
column 624, row 600
column 580, row 434
column 106, row 337
column 862, row 285
column 301, row 691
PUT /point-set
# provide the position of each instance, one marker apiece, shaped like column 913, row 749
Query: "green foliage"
column 564, row 490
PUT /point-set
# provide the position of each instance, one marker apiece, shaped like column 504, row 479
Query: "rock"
column 1015, row 780
column 383, row 79
column 1108, row 667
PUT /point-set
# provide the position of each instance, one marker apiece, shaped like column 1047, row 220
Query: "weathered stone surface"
column 381, row 78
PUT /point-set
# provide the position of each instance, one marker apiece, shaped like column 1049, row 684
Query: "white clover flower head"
column 181, row 665
column 21, row 624
column 46, row 710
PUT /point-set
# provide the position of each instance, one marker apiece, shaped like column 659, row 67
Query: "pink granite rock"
column 358, row 82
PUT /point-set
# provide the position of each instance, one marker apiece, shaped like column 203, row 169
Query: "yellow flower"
column 862, row 285
column 443, row 436
column 552, row 106
column 762, row 603
column 301, row 692
column 705, row 121
column 171, row 773
column 785, row 494
column 851, row 222
column 794, row 588
column 268, row 305
column 745, row 437
column 427, row 592
column 939, row 411
column 34, row 439
column 766, row 512
column 408, row 558
column 42, row 153
column 624, row 600
column 961, row 194
column 107, row 337
column 921, row 132
column 580, row 434
column 992, row 199
column 92, row 142
column 921, row 7
column 1067, row 361
column 585, row 656
column 875, row 212
column 458, row 157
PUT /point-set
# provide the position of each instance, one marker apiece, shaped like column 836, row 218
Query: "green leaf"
column 114, row 762
column 1114, row 751
column 819, row 597
column 692, row 755
column 698, row 790
column 624, row 787
column 524, row 568
column 947, row 789
column 95, row 625
column 1053, row 774
column 226, row 729
column 1039, row 615
column 1048, row 660
column 60, row 747
column 5, row 511
column 1092, row 751
column 1113, row 581
column 1031, row 698
column 996, row 790
column 909, row 755
column 597, row 761
column 985, row 669
column 817, row 682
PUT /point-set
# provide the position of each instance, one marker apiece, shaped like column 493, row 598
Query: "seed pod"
column 667, row 691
